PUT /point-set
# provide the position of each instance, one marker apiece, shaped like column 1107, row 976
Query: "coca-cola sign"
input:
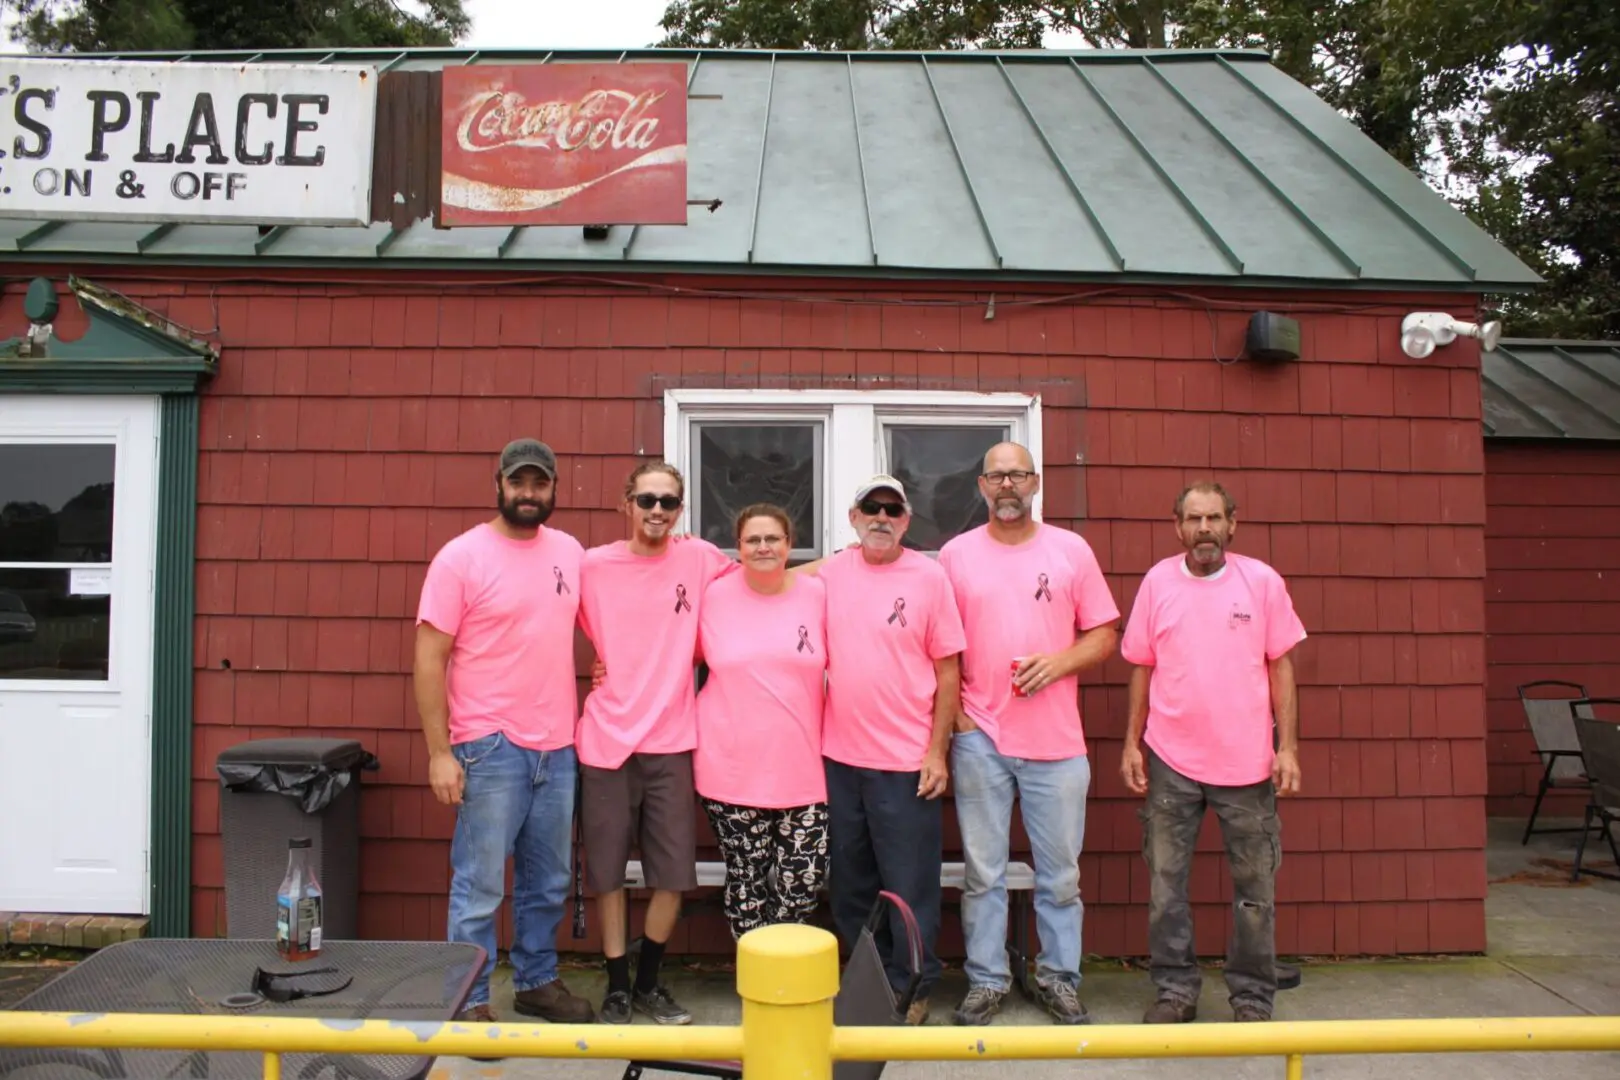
column 564, row 144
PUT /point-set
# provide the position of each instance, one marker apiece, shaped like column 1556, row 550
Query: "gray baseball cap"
column 881, row 483
column 523, row 452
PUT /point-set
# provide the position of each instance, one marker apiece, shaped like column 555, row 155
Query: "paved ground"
column 18, row 980
column 1554, row 951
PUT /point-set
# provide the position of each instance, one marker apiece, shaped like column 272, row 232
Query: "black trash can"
column 271, row 791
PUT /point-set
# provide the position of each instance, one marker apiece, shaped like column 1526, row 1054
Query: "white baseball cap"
column 882, row 483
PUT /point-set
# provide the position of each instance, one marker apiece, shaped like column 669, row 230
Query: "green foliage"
column 155, row 25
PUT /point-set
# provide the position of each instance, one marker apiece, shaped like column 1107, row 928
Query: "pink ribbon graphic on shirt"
column 899, row 611
column 1043, row 591
column 562, row 586
column 680, row 600
column 804, row 641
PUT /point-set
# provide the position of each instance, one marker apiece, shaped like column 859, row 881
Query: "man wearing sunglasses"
column 892, row 698
column 1037, row 612
column 639, row 605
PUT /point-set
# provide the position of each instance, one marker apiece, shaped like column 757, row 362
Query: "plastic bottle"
column 298, row 906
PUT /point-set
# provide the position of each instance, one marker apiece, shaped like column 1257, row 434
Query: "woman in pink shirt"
column 763, row 635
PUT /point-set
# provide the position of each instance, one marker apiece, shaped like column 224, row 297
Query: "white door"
column 78, row 507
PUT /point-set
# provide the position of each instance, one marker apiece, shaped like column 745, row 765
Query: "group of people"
column 839, row 701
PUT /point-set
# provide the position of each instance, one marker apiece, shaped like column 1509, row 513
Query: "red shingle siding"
column 1552, row 595
column 351, row 430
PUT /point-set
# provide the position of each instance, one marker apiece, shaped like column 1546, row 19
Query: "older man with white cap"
column 893, row 694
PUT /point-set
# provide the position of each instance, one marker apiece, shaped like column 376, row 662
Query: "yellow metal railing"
column 787, row 977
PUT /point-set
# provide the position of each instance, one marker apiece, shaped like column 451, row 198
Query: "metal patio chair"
column 865, row 999
column 1597, row 726
column 1553, row 725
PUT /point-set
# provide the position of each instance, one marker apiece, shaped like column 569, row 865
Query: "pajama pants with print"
column 776, row 862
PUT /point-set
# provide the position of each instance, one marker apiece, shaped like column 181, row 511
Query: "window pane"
column 46, row 633
column 940, row 468
column 56, row 502
column 739, row 464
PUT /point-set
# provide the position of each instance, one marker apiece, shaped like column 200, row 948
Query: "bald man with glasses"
column 1037, row 612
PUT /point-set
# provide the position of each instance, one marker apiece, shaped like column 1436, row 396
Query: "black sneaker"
column 615, row 1008
column 1060, row 999
column 663, row 1009
column 981, row 1003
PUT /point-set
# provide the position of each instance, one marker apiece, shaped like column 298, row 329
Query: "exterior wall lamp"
column 1424, row 331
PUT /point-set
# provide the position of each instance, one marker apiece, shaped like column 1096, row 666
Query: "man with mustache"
column 892, row 698
column 639, row 605
column 1212, row 635
column 1037, row 612
column 494, row 683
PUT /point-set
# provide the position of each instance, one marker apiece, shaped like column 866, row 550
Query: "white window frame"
column 852, row 444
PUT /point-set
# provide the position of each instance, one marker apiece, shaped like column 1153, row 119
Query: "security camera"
column 1424, row 331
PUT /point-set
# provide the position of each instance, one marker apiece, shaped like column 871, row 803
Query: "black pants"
column 885, row 837
column 776, row 861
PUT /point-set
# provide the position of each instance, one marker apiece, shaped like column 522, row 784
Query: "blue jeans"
column 517, row 803
column 1053, row 795
column 885, row 837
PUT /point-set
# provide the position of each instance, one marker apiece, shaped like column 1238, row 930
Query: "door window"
column 56, row 549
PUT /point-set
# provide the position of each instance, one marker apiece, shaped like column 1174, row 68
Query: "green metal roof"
column 1543, row 389
column 1104, row 165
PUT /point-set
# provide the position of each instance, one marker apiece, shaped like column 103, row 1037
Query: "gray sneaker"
column 980, row 1004
column 1060, row 999
column 663, row 1009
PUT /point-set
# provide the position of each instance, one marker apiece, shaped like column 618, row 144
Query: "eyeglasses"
column 872, row 508
column 762, row 541
column 667, row 502
column 1019, row 477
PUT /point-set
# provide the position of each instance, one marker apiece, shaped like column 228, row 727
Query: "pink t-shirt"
column 1208, row 640
column 641, row 612
column 1019, row 600
column 892, row 623
column 511, row 606
column 759, row 713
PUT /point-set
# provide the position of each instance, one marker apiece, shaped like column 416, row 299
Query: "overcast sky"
column 550, row 24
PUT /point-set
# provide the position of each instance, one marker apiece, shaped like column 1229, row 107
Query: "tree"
column 1536, row 159
column 203, row 25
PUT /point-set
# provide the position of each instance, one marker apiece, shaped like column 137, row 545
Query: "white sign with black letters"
column 261, row 144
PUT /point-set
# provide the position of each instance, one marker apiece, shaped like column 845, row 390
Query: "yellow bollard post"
column 787, row 977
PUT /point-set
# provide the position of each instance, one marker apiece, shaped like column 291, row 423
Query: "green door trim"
column 129, row 349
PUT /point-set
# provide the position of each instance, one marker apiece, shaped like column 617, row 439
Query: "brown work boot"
column 1247, row 1012
column 554, row 1004
column 917, row 1012
column 1168, row 1010
column 479, row 1014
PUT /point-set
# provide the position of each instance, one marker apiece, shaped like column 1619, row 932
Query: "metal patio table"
column 425, row 981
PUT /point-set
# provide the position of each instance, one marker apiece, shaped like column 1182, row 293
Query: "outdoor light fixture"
column 1424, row 331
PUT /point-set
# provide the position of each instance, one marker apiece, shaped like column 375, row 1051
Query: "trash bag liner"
column 314, row 771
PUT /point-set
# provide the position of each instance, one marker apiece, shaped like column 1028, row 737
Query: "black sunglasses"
column 668, row 502
column 872, row 507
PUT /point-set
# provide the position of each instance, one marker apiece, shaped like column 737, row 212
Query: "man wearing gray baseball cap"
column 494, row 681
column 892, row 698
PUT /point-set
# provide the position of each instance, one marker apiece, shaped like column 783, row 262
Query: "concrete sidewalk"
column 1555, row 951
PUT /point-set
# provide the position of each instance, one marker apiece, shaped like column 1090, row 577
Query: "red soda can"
column 1017, row 662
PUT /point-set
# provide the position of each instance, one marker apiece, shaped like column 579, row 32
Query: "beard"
column 525, row 513
column 1010, row 508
